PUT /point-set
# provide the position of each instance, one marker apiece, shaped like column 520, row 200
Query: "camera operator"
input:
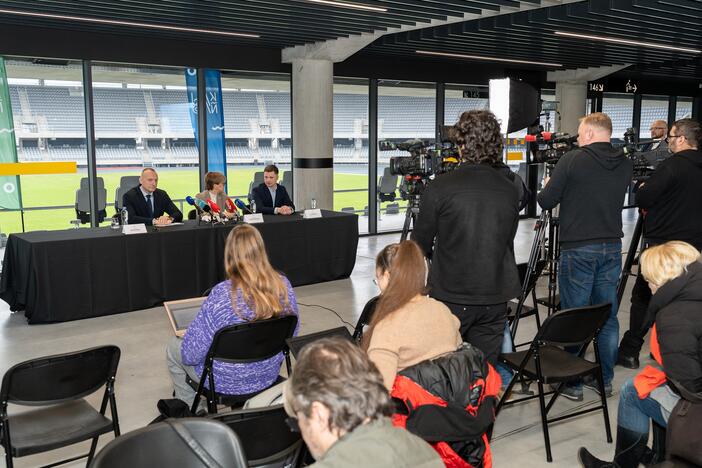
column 657, row 150
column 589, row 182
column 466, row 225
column 671, row 198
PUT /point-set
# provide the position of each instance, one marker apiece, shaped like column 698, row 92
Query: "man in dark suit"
column 147, row 204
column 271, row 197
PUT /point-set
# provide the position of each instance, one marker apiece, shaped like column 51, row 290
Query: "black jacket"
column 672, row 197
column 677, row 308
column 590, row 184
column 467, row 222
column 264, row 203
column 135, row 203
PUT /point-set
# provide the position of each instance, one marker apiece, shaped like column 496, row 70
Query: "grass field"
column 59, row 190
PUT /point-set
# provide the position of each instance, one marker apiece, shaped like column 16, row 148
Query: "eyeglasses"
column 375, row 281
column 293, row 424
column 673, row 136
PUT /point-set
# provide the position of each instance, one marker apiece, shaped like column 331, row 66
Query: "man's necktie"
column 150, row 206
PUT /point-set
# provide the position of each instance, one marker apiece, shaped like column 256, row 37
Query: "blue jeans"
column 504, row 371
column 588, row 275
column 636, row 414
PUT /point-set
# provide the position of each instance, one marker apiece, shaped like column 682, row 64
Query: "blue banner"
column 216, row 147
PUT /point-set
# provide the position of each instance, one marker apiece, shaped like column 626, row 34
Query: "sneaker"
column 588, row 460
column 571, row 393
column 592, row 384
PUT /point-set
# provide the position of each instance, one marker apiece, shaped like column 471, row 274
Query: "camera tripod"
column 410, row 215
column 634, row 249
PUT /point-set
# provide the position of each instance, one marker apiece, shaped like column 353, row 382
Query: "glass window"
column 142, row 120
column 257, row 128
column 49, row 122
column 463, row 98
column 683, row 108
column 620, row 108
column 652, row 108
column 406, row 111
column 351, row 148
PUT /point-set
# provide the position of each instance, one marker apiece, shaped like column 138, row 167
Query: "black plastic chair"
column 243, row 343
column 58, row 383
column 546, row 363
column 517, row 310
column 265, row 437
column 365, row 318
column 183, row 443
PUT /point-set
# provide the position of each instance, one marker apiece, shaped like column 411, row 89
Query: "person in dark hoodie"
column 671, row 200
column 589, row 183
column 467, row 222
column 674, row 274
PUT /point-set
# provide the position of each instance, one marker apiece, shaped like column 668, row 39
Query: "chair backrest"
column 258, row 178
column 59, row 378
column 252, row 341
column 573, row 327
column 365, row 318
column 264, row 435
column 165, row 444
column 296, row 344
column 83, row 199
column 84, row 183
column 388, row 182
column 287, row 177
column 128, row 182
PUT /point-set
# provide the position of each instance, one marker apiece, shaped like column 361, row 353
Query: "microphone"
column 545, row 136
column 203, row 206
column 240, row 204
column 229, row 205
column 213, row 206
column 191, row 201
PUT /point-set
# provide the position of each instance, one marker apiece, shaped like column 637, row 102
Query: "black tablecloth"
column 56, row 276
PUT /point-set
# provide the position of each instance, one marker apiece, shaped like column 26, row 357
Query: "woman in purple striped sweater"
column 253, row 291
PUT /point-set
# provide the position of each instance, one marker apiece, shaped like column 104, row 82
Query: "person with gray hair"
column 337, row 400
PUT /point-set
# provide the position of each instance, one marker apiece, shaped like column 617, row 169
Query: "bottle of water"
column 125, row 216
column 313, row 204
column 253, row 206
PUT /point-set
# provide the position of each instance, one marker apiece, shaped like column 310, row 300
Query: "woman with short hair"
column 214, row 191
column 253, row 291
column 674, row 274
column 407, row 326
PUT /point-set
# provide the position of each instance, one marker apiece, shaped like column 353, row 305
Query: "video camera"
column 632, row 149
column 549, row 147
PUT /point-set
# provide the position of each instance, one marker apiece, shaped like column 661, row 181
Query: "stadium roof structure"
column 658, row 38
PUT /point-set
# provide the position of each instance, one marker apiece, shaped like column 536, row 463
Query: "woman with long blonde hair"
column 407, row 326
column 252, row 291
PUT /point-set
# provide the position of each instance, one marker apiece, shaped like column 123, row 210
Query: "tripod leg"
column 409, row 217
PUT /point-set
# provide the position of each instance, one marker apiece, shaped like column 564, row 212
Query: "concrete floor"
column 143, row 378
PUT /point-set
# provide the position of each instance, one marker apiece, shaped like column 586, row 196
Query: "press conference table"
column 57, row 276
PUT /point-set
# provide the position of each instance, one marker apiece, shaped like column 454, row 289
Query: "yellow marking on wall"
column 515, row 156
column 32, row 168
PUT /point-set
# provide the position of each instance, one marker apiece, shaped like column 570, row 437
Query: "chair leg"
column 91, row 453
column 8, row 446
column 113, row 413
column 544, row 421
column 603, row 397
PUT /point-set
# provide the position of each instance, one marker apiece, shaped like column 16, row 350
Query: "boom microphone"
column 213, row 206
column 240, row 204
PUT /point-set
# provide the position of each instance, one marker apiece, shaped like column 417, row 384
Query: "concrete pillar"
column 572, row 98
column 313, row 130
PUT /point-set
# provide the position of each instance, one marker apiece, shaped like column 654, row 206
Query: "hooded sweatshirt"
column 589, row 183
column 672, row 197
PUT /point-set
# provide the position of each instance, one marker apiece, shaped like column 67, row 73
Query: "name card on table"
column 253, row 218
column 134, row 229
column 309, row 214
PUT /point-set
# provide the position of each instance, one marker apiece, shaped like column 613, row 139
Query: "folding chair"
column 365, row 318
column 546, row 363
column 517, row 310
column 185, row 443
column 58, row 383
column 265, row 437
column 242, row 343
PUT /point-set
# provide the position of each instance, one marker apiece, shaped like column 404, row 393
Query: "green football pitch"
column 59, row 190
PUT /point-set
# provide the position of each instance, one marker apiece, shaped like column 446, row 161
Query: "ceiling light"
column 616, row 40
column 125, row 23
column 488, row 59
column 357, row 6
